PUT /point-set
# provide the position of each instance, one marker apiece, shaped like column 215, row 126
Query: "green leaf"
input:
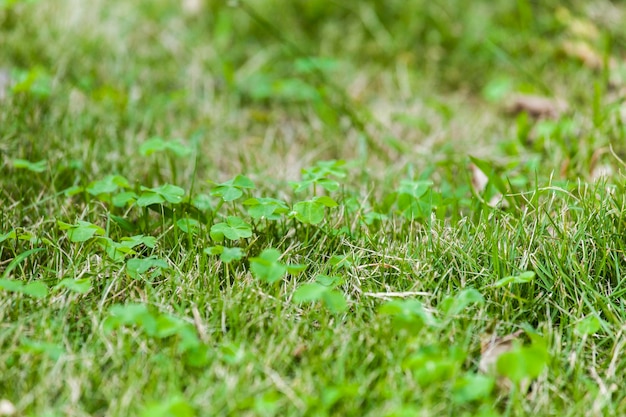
column 133, row 241
column 39, row 166
column 52, row 350
column 11, row 285
column 108, row 185
column 124, row 198
column 11, row 234
column 454, row 305
column 472, row 387
column 148, row 198
column 231, row 254
column 202, row 202
column 409, row 314
column 318, row 175
column 167, row 326
column 130, row 314
column 497, row 89
column 178, row 148
column 434, row 364
column 309, row 292
column 523, row 362
column 35, row 289
column 589, row 325
column 152, row 145
column 175, row 406
column 159, row 195
column 233, row 229
column 415, row 189
column 82, row 231
column 227, row 255
column 335, row 301
column 523, row 278
column 295, row 269
column 199, row 356
column 188, row 225
column 123, row 223
column 322, row 169
column 36, row 82
column 268, row 208
column 327, row 280
column 171, row 193
column 266, row 266
column 139, row 266
column 309, row 212
column 326, row 201
column 80, row 286
column 315, row 64
column 233, row 189
column 116, row 251
column 73, row 190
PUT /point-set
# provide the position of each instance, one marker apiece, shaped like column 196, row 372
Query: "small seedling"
column 408, row 314
column 234, row 228
column 79, row 286
column 35, row 289
column 81, row 231
column 523, row 278
column 36, row 167
column 312, row 211
column 227, row 255
column 234, row 189
column 322, row 290
column 268, row 268
column 159, row 195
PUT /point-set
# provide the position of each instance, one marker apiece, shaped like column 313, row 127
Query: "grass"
column 218, row 212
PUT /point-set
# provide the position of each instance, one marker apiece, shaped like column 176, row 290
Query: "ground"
column 312, row 208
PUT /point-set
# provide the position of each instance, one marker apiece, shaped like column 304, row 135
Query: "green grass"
column 223, row 212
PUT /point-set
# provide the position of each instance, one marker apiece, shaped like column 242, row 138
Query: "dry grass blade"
column 5, row 83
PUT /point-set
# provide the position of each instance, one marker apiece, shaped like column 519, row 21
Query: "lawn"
column 312, row 208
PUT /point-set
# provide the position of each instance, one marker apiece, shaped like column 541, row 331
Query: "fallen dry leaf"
column 479, row 179
column 584, row 52
column 479, row 184
column 492, row 347
column 7, row 408
column 599, row 171
column 537, row 106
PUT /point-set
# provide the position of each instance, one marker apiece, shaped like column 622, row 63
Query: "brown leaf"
column 479, row 179
column 537, row 106
column 584, row 52
column 493, row 346
column 479, row 184
column 597, row 170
